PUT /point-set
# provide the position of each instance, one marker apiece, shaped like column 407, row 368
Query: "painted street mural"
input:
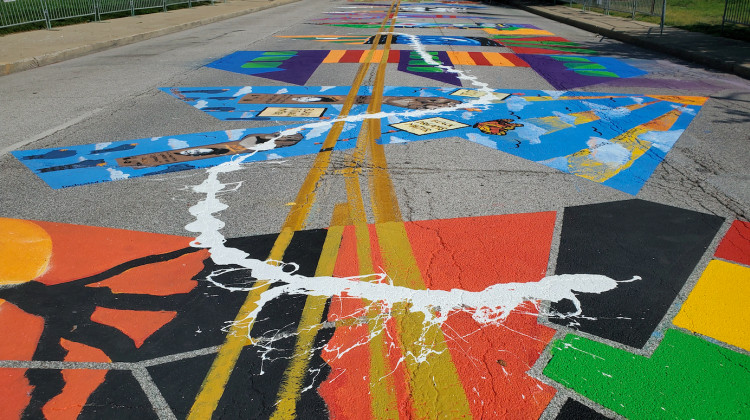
column 613, row 139
column 298, row 66
column 146, row 289
column 605, row 308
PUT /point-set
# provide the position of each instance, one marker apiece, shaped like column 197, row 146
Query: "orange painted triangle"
column 138, row 325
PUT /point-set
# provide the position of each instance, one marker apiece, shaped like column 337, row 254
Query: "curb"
column 740, row 69
column 58, row 56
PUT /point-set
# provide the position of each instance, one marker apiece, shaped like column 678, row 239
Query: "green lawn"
column 695, row 15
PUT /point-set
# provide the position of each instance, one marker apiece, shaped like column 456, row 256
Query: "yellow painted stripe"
column 497, row 59
column 436, row 389
column 461, row 57
column 334, row 56
column 312, row 314
column 213, row 385
column 375, row 57
column 435, row 386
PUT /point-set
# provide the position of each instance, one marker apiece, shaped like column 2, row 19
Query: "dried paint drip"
column 489, row 306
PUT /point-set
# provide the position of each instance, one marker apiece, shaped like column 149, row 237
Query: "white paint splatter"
column 396, row 140
column 178, row 144
column 604, row 151
column 201, row 104
column 606, row 112
column 662, row 140
column 566, row 118
column 282, row 90
column 156, row 138
column 100, row 146
column 516, row 103
column 271, row 156
column 116, row 175
column 490, row 306
column 233, row 135
column 243, row 91
column 685, row 109
column 325, row 88
column 554, row 93
column 529, row 132
column 467, row 115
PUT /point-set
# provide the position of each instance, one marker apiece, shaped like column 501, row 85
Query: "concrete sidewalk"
column 27, row 50
column 720, row 53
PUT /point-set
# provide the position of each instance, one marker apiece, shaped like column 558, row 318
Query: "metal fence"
column 644, row 7
column 632, row 7
column 19, row 12
column 736, row 11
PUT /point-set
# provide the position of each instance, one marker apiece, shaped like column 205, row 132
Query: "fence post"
column 164, row 5
column 132, row 8
column 632, row 13
column 724, row 16
column 46, row 14
column 663, row 13
column 96, row 11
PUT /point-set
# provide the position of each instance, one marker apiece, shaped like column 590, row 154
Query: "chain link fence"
column 20, row 12
column 736, row 11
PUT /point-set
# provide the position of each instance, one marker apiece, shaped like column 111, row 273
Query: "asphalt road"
column 650, row 183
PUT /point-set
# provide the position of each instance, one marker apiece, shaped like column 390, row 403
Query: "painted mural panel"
column 400, row 39
column 298, row 66
column 613, row 139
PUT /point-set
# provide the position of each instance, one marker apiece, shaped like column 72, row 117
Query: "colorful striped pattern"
column 486, row 59
column 359, row 56
column 456, row 57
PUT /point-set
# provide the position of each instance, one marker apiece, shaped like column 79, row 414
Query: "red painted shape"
column 515, row 60
column 19, row 336
column 138, row 325
column 79, row 383
column 394, row 56
column 16, row 393
column 79, row 251
column 346, row 391
column 351, row 56
column 19, row 332
column 491, row 360
column 159, row 279
column 735, row 246
column 472, row 254
column 479, row 59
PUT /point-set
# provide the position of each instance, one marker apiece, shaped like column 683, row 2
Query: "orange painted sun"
column 25, row 251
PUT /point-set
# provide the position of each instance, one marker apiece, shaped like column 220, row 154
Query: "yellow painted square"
column 717, row 306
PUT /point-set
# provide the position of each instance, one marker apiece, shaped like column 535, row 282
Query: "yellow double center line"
column 238, row 337
column 434, row 387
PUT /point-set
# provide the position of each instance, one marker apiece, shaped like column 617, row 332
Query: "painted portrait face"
column 252, row 140
column 203, row 152
column 420, row 102
column 308, row 99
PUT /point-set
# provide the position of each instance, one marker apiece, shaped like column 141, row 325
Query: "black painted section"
column 119, row 397
column 180, row 381
column 573, row 410
column 622, row 239
column 252, row 389
column 311, row 405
